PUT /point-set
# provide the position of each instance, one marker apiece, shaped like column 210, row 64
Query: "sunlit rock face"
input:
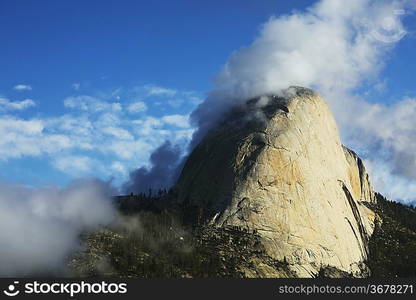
column 276, row 166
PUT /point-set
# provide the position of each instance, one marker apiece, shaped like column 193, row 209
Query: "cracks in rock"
column 357, row 217
column 295, row 236
column 329, row 202
column 277, row 148
column 325, row 248
column 268, row 143
column 267, row 230
column 261, row 186
column 243, row 209
column 268, row 184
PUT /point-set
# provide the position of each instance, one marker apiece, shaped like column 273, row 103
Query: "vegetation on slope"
column 152, row 242
column 155, row 245
column 393, row 244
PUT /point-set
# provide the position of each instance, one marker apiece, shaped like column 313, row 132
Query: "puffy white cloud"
column 136, row 107
column 152, row 125
column 330, row 46
column 393, row 186
column 132, row 151
column 80, row 125
column 117, row 132
column 27, row 137
column 11, row 124
column 118, row 167
column 154, row 90
column 88, row 103
column 59, row 137
column 163, row 97
column 75, row 165
column 386, row 133
column 7, row 105
column 22, row 87
column 148, row 125
column 93, row 134
column 177, row 120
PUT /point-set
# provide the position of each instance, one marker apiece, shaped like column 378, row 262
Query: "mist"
column 40, row 227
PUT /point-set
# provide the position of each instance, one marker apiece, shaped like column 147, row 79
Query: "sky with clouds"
column 92, row 88
column 104, row 134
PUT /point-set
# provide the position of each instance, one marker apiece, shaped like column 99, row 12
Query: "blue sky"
column 116, row 53
column 92, row 87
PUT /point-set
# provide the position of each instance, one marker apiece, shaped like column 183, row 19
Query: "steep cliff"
column 276, row 166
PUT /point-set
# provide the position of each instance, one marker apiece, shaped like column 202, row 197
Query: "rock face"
column 276, row 166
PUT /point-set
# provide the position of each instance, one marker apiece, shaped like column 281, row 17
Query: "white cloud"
column 154, row 90
column 147, row 125
column 176, row 103
column 93, row 134
column 6, row 104
column 28, row 138
column 118, row 167
column 137, row 107
column 88, row 103
column 331, row 46
column 19, row 137
column 36, row 137
column 10, row 124
column 195, row 100
column 335, row 47
column 387, row 133
column 182, row 136
column 134, row 151
column 22, row 87
column 165, row 98
column 177, row 120
column 41, row 227
column 117, row 132
column 156, row 126
column 79, row 125
column 74, row 165
column 393, row 186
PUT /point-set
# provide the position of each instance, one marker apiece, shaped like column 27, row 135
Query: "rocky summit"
column 276, row 166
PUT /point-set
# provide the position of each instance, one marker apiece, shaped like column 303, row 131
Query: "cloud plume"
column 335, row 47
column 41, row 227
column 165, row 165
column 338, row 48
column 330, row 47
